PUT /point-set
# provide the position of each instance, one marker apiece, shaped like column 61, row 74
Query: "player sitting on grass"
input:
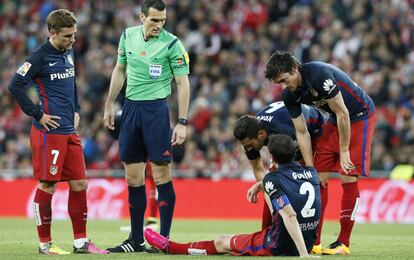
column 293, row 195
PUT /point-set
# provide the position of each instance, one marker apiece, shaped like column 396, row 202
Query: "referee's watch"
column 182, row 121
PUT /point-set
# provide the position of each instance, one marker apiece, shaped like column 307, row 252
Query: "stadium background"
column 229, row 43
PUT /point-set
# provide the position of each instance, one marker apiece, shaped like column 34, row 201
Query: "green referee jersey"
column 151, row 64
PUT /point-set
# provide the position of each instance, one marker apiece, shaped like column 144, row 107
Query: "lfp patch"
column 24, row 68
column 155, row 71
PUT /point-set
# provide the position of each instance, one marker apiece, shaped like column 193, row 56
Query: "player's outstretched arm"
column 117, row 81
column 291, row 223
column 303, row 139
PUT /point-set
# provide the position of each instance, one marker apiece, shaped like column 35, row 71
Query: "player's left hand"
column 76, row 120
column 253, row 191
column 179, row 134
column 346, row 164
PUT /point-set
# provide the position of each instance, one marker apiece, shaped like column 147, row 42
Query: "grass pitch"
column 18, row 239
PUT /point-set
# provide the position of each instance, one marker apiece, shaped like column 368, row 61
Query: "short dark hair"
column 247, row 126
column 280, row 62
column 61, row 18
column 282, row 148
column 156, row 4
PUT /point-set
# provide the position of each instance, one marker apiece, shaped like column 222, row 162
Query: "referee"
column 148, row 57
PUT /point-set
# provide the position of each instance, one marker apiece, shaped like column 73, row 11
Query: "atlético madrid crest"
column 53, row 169
column 70, row 60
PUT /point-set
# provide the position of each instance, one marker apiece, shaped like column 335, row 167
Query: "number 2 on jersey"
column 307, row 210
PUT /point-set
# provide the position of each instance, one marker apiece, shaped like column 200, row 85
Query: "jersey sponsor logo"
column 63, row 75
column 265, row 118
column 51, row 64
column 24, row 68
column 269, row 186
column 53, row 169
column 155, row 71
column 329, row 85
column 70, row 60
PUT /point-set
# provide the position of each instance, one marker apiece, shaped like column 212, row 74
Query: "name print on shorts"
column 155, row 71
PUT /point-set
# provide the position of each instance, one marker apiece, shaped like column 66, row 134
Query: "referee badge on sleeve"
column 155, row 71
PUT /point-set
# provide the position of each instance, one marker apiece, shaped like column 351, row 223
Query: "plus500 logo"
column 63, row 75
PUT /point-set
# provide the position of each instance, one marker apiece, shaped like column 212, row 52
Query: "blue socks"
column 166, row 203
column 137, row 199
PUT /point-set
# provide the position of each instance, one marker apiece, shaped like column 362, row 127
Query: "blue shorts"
column 145, row 132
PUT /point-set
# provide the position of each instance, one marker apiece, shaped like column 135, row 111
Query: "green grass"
column 18, row 239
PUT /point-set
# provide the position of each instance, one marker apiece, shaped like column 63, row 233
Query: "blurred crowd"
column 229, row 42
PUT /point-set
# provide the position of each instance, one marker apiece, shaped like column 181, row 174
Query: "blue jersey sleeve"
column 26, row 73
column 274, row 190
column 325, row 84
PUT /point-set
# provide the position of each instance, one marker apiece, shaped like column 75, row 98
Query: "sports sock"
column 349, row 206
column 137, row 205
column 166, row 203
column 324, row 202
column 266, row 216
column 198, row 247
column 42, row 209
column 78, row 212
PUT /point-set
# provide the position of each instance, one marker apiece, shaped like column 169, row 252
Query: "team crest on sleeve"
column 24, row 68
column 155, row 71
column 280, row 202
column 329, row 85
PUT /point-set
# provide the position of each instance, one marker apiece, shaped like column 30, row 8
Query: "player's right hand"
column 109, row 117
column 49, row 122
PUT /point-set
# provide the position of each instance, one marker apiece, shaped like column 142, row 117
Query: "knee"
column 161, row 172
column 219, row 243
column 78, row 185
column 135, row 179
column 222, row 244
column 48, row 187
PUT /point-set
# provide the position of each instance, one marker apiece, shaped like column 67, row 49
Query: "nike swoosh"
column 52, row 64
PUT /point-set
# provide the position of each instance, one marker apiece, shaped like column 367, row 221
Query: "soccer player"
column 345, row 144
column 56, row 148
column 149, row 57
column 253, row 133
column 293, row 192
